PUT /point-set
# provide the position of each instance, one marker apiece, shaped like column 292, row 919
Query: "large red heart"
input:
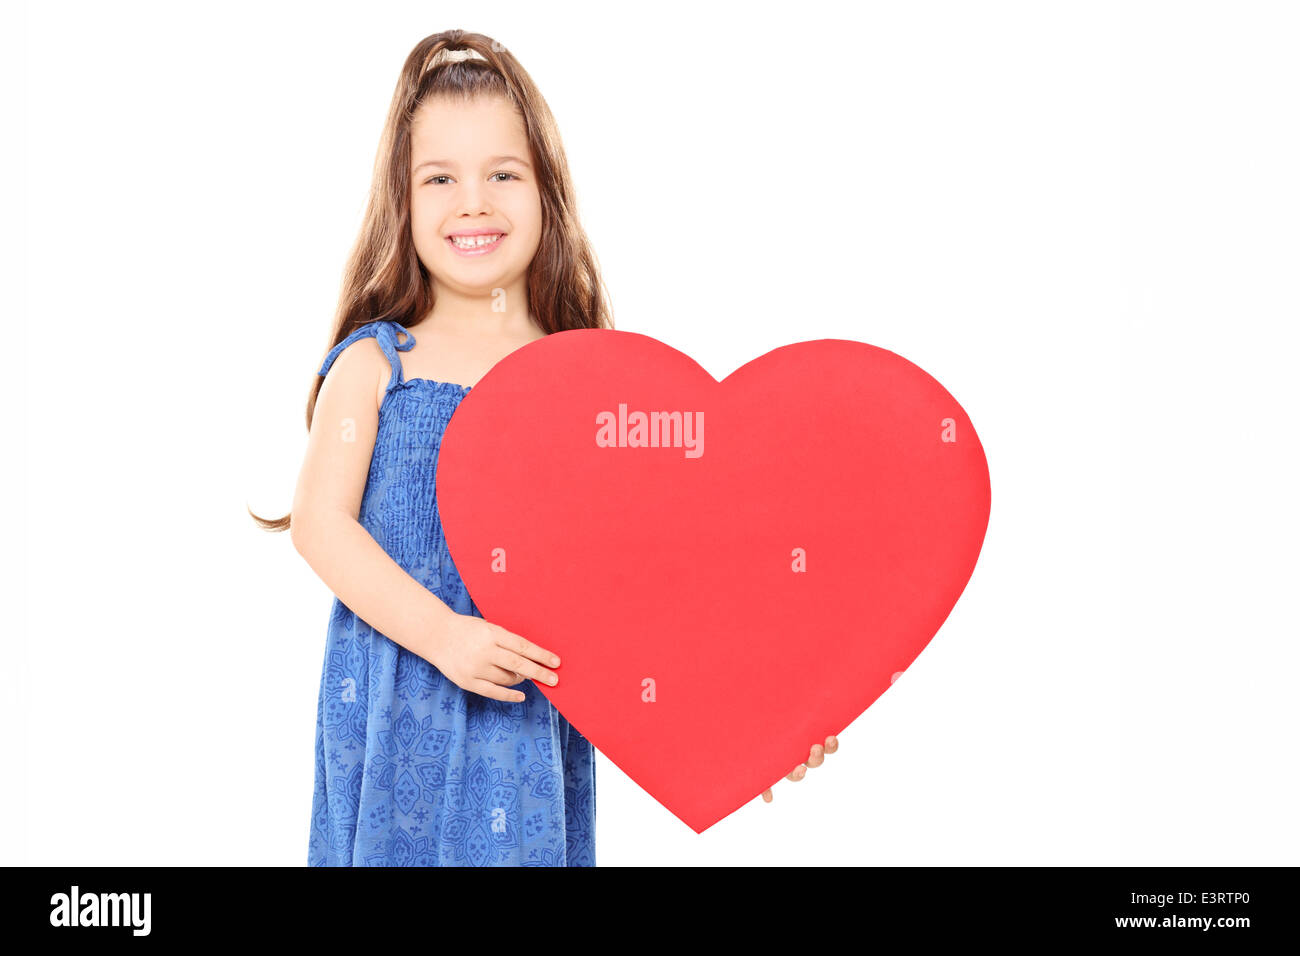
column 717, row 609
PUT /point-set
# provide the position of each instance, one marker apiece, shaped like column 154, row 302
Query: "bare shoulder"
column 359, row 371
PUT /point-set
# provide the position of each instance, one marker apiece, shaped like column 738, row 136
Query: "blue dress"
column 412, row 770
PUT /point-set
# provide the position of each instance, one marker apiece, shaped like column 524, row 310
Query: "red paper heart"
column 640, row 564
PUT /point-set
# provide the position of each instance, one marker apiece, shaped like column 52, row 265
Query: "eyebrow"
column 446, row 163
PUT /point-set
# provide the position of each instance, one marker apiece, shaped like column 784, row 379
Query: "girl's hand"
column 487, row 659
column 815, row 757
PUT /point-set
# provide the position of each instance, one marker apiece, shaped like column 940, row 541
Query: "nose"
column 471, row 200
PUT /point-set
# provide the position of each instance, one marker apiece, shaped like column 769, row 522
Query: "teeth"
column 471, row 242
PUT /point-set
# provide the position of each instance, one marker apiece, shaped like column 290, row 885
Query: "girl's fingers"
column 526, row 648
column 488, row 689
column 502, row 676
column 816, row 755
column 511, row 661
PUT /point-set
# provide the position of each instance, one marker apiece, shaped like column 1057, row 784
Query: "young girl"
column 433, row 746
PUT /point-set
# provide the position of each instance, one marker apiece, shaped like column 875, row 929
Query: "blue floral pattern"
column 411, row 770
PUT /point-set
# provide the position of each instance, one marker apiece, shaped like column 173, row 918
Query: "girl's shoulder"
column 390, row 335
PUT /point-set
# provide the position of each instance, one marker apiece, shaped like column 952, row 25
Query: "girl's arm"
column 324, row 522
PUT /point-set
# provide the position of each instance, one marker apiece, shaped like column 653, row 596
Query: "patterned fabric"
column 411, row 770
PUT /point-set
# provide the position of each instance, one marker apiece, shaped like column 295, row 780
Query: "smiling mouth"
column 472, row 244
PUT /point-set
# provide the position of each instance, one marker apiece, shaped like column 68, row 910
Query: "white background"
column 1081, row 218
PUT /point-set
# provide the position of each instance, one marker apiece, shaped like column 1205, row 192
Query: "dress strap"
column 388, row 334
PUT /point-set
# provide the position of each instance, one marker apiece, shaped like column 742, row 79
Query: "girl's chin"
column 475, row 265
column 473, row 282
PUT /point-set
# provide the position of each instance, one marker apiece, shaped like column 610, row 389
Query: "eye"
column 433, row 179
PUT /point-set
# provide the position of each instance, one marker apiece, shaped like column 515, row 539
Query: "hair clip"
column 453, row 56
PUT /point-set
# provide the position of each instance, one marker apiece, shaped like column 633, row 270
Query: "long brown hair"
column 385, row 279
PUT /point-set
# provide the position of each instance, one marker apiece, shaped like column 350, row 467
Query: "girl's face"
column 472, row 178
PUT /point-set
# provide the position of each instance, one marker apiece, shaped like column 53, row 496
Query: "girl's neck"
column 482, row 317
